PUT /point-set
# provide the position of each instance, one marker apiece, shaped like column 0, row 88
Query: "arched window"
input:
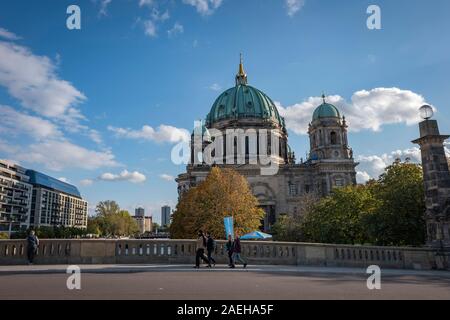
column 333, row 137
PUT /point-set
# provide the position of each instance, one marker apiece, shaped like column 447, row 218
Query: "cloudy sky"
column 101, row 107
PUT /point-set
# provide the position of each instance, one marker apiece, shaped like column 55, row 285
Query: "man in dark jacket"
column 210, row 247
column 229, row 248
column 237, row 252
column 32, row 246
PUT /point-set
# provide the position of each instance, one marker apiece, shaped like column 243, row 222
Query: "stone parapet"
column 13, row 252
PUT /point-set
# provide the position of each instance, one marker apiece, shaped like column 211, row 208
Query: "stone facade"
column 330, row 163
column 436, row 182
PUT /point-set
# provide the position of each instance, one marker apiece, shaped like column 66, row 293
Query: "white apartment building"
column 56, row 203
column 15, row 197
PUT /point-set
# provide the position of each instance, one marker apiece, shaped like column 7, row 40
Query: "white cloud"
column 373, row 166
column 157, row 16
column 33, row 81
column 294, row 6
column 167, row 177
column 163, row 134
column 150, row 29
column 447, row 149
column 8, row 35
column 104, row 4
column 133, row 177
column 368, row 110
column 87, row 182
column 204, row 7
column 362, row 177
column 215, row 87
column 147, row 3
column 63, row 179
column 175, row 30
column 59, row 155
column 13, row 122
column 95, row 136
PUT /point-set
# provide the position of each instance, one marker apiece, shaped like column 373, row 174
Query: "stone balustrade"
column 13, row 252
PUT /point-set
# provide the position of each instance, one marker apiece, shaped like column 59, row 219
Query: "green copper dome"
column 243, row 102
column 326, row 110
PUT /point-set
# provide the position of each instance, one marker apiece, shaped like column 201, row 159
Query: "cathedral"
column 330, row 163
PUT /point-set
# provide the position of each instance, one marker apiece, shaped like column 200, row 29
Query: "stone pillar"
column 436, row 182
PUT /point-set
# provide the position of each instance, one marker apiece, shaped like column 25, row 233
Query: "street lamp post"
column 436, row 178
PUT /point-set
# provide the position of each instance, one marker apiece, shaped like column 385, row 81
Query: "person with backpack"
column 200, row 250
column 210, row 247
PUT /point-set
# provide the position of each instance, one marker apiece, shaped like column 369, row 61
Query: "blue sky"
column 75, row 102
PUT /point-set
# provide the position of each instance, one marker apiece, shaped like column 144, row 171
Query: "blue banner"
column 228, row 221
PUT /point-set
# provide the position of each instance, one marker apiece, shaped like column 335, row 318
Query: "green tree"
column 93, row 226
column 112, row 221
column 399, row 218
column 338, row 218
column 156, row 226
column 108, row 207
column 388, row 211
column 224, row 193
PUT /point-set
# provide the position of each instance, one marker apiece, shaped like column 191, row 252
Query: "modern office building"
column 55, row 203
column 15, row 197
column 144, row 223
column 165, row 216
column 139, row 212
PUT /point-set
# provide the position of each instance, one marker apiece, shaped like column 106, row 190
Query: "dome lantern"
column 241, row 77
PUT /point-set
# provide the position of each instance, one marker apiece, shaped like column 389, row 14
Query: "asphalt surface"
column 180, row 282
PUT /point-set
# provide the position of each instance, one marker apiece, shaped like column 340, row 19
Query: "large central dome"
column 244, row 102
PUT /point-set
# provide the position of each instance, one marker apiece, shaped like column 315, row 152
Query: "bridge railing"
column 183, row 251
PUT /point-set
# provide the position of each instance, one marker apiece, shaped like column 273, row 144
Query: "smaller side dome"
column 326, row 110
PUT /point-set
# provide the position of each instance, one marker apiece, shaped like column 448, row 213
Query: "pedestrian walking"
column 210, row 247
column 200, row 253
column 229, row 248
column 237, row 250
column 32, row 246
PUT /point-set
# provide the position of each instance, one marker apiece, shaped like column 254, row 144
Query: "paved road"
column 184, row 283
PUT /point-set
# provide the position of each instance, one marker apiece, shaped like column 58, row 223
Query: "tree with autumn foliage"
column 224, row 193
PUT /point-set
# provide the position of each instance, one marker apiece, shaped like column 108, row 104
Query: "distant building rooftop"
column 40, row 179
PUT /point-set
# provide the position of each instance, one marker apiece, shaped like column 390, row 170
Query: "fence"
column 14, row 252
